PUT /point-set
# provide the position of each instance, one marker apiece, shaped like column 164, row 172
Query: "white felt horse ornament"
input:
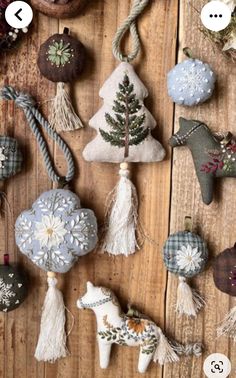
column 113, row 326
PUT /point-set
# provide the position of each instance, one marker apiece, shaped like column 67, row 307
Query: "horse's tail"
column 167, row 351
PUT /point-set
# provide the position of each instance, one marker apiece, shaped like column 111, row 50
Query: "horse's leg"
column 144, row 360
column 104, row 353
column 206, row 182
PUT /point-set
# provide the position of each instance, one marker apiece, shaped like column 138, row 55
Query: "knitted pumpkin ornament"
column 54, row 233
column 123, row 126
column 59, row 8
column 191, row 82
column 12, row 286
column 9, row 36
column 61, row 60
column 186, row 255
column 224, row 274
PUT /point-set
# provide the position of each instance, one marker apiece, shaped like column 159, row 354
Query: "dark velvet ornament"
column 224, row 271
column 12, row 288
column 61, row 58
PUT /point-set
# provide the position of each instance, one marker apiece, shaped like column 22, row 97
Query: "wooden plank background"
column 168, row 191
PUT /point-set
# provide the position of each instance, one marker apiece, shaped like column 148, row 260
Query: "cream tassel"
column 228, row 326
column 189, row 301
column 52, row 339
column 120, row 236
column 164, row 352
column 63, row 116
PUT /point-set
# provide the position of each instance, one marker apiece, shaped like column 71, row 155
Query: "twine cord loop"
column 27, row 103
column 129, row 24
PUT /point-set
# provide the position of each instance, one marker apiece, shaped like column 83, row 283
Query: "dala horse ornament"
column 213, row 156
column 133, row 329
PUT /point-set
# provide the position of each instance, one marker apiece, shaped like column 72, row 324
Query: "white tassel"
column 52, row 339
column 63, row 116
column 164, row 352
column 120, row 237
column 189, row 301
column 228, row 326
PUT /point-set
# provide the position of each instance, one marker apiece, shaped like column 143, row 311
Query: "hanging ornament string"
column 27, row 103
column 129, row 24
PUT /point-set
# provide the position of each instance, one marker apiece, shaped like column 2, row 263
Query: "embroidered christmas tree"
column 127, row 126
column 123, row 123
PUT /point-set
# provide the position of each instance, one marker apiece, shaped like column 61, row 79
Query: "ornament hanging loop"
column 129, row 24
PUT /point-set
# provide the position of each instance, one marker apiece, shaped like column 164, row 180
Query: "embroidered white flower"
column 5, row 293
column 2, row 157
column 50, row 231
column 188, row 258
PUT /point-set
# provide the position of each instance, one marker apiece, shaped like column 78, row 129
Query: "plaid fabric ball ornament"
column 10, row 157
column 186, row 255
column 224, row 275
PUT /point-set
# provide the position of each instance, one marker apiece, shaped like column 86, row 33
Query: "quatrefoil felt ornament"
column 56, row 231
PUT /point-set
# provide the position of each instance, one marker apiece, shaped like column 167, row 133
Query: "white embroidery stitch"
column 50, row 231
column 188, row 258
column 5, row 293
column 2, row 157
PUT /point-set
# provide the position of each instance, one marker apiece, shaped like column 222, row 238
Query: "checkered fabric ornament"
column 186, row 255
column 10, row 157
column 224, row 274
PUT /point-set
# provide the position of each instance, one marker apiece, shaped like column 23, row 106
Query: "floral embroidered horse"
column 213, row 157
column 113, row 326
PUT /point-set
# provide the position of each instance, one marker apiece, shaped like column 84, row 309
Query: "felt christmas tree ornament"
column 123, row 126
column 9, row 36
column 59, row 8
column 213, row 155
column 135, row 329
column 54, row 233
column 191, row 82
column 224, row 274
column 13, row 288
column 185, row 254
column 61, row 60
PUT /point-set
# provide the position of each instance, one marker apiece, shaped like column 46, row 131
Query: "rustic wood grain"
column 167, row 191
column 213, row 222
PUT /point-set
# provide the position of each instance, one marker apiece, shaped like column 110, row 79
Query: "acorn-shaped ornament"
column 12, row 286
column 224, row 275
column 191, row 82
column 61, row 60
column 186, row 255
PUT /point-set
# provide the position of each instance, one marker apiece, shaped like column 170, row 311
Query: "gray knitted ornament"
column 191, row 82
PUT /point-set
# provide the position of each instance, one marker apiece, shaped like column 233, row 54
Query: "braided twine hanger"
column 27, row 103
column 129, row 24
